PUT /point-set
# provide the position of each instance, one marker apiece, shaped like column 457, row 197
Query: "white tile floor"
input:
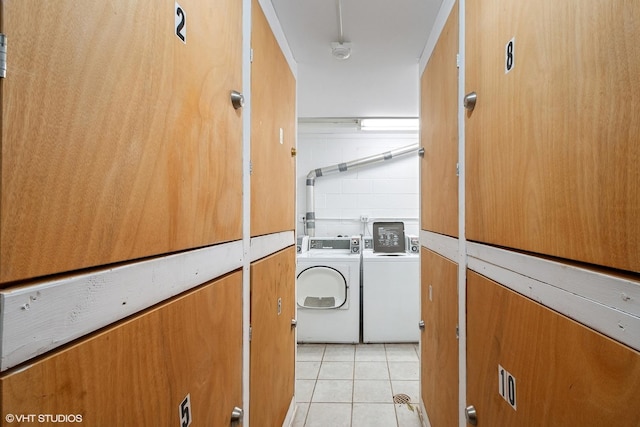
column 353, row 385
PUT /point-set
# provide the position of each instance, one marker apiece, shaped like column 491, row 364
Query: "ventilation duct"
column 310, row 217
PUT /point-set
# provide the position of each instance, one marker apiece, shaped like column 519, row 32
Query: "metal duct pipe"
column 343, row 167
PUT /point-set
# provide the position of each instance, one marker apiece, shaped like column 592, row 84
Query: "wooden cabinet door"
column 119, row 140
column 273, row 343
column 139, row 371
column 273, row 132
column 438, row 341
column 564, row 373
column 552, row 145
column 439, row 134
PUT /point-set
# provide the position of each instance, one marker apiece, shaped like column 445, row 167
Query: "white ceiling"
column 381, row 76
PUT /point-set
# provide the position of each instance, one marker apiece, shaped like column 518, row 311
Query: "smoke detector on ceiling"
column 341, row 51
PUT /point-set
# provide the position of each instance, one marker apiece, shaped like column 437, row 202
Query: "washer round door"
column 321, row 287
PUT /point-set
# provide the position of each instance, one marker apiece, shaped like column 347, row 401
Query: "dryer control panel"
column 355, row 245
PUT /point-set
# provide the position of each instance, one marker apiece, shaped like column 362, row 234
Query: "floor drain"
column 401, row 398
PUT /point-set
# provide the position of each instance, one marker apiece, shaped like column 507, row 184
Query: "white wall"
column 343, row 90
column 384, row 191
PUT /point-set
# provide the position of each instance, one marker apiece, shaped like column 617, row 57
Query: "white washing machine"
column 328, row 290
column 390, row 295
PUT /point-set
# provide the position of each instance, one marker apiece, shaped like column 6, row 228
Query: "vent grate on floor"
column 401, row 398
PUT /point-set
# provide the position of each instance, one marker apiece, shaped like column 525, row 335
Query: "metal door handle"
column 470, row 101
column 294, row 323
column 237, row 99
column 421, row 324
column 236, row 415
column 471, row 415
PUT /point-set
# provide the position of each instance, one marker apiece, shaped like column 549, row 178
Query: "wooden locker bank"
column 552, row 144
column 530, row 366
column 549, row 215
column 119, row 138
column 180, row 359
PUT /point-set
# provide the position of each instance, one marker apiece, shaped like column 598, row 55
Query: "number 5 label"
column 185, row 411
column 181, row 24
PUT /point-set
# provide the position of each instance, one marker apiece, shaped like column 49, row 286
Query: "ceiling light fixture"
column 390, row 124
column 340, row 49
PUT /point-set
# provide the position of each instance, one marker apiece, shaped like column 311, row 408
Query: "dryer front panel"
column 322, row 288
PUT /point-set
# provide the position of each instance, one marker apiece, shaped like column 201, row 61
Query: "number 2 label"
column 181, row 23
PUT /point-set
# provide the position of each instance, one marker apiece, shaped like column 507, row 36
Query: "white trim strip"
column 262, row 246
column 612, row 291
column 441, row 244
column 608, row 304
column 40, row 317
column 462, row 209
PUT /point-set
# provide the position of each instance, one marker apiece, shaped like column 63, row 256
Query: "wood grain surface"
column 273, row 107
column 272, row 339
column 553, row 146
column 439, row 345
column 439, row 134
column 566, row 374
column 118, row 140
column 140, row 370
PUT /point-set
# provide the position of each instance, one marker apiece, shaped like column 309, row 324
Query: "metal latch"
column 236, row 415
column 471, row 415
column 3, row 56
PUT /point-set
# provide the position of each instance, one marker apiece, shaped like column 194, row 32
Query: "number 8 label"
column 509, row 55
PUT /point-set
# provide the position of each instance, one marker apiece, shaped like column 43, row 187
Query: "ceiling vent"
column 340, row 49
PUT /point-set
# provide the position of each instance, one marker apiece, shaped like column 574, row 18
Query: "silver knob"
column 470, row 101
column 421, row 324
column 237, row 99
column 294, row 323
column 471, row 415
column 236, row 415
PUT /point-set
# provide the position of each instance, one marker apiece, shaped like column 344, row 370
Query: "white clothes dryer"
column 328, row 291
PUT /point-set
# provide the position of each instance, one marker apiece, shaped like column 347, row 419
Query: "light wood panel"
column 272, row 356
column 118, row 140
column 552, row 146
column 439, row 133
column 139, row 371
column 566, row 374
column 439, row 344
column 273, row 107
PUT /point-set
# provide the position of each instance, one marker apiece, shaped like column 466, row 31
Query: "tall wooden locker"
column 273, row 342
column 530, row 366
column 552, row 144
column 178, row 361
column 438, row 341
column 439, row 134
column 273, row 132
column 119, row 139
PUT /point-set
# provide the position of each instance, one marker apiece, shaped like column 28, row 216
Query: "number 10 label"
column 507, row 386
